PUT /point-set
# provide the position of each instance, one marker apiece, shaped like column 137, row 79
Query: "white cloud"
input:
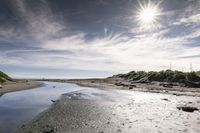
column 114, row 52
column 38, row 24
column 195, row 18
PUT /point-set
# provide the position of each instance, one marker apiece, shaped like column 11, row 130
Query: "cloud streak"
column 48, row 41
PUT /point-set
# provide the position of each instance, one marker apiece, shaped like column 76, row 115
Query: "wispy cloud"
column 56, row 46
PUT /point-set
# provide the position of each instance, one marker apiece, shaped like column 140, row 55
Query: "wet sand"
column 18, row 85
column 111, row 111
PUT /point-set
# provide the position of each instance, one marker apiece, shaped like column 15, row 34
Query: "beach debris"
column 187, row 109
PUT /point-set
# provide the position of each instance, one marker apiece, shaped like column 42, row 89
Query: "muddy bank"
column 18, row 85
column 109, row 111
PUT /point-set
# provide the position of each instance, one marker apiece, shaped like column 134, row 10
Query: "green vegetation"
column 4, row 77
column 162, row 76
column 198, row 73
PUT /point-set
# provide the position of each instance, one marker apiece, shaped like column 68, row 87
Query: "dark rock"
column 192, row 84
column 48, row 129
column 165, row 99
column 130, row 88
column 119, row 130
column 176, row 94
column 121, row 84
column 53, row 101
column 133, row 85
column 168, row 85
column 188, row 109
column 117, row 84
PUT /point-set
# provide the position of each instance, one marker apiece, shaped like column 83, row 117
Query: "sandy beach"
column 95, row 110
column 18, row 85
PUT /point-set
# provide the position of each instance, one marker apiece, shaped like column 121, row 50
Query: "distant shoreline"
column 117, row 83
column 18, row 85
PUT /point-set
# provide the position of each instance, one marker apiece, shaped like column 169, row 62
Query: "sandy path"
column 111, row 111
column 18, row 85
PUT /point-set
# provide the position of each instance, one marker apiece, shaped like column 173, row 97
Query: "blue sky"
column 96, row 38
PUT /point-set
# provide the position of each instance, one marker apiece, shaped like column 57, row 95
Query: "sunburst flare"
column 148, row 15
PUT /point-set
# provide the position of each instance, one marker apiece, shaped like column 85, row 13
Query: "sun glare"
column 148, row 15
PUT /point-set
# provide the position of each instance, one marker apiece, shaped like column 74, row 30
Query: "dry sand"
column 18, row 85
column 110, row 83
column 112, row 111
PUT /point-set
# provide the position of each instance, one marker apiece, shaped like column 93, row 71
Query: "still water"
column 18, row 108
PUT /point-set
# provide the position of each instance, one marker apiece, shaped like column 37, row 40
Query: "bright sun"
column 148, row 15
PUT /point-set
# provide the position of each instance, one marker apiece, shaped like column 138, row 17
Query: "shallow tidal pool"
column 19, row 108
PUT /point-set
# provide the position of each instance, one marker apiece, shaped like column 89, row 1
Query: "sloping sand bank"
column 111, row 111
column 18, row 85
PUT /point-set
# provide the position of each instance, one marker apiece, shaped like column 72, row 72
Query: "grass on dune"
column 4, row 77
column 162, row 76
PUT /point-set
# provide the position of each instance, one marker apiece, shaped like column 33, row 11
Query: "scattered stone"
column 118, row 84
column 54, row 86
column 132, row 85
column 130, row 88
column 119, row 130
column 1, row 86
column 48, row 129
column 23, row 126
column 176, row 94
column 121, row 84
column 168, row 85
column 165, row 99
column 192, row 84
column 53, row 101
column 188, row 109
